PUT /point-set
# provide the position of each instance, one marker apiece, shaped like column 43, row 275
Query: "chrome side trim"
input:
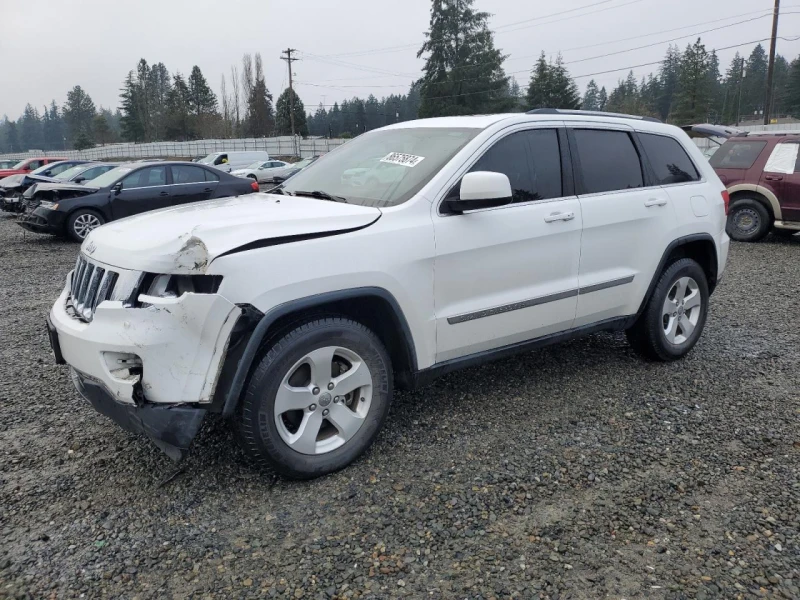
column 497, row 310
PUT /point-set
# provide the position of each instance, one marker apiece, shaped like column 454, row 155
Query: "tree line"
column 463, row 74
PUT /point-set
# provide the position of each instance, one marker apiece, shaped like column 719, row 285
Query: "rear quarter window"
column 669, row 160
column 737, row 155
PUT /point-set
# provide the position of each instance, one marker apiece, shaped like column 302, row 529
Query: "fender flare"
column 260, row 332
column 761, row 190
column 677, row 243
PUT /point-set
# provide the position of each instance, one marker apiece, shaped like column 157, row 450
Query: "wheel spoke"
column 670, row 307
column 358, row 376
column 345, row 420
column 692, row 300
column 305, row 440
column 680, row 289
column 292, row 398
column 321, row 361
column 687, row 327
column 671, row 330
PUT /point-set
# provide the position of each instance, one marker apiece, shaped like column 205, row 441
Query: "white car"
column 297, row 313
column 262, row 171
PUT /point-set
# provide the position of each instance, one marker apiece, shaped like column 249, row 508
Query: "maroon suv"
column 762, row 174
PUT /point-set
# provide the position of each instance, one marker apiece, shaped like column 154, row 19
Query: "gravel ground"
column 578, row 471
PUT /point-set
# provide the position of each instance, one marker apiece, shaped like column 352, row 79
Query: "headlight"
column 173, row 286
column 46, row 204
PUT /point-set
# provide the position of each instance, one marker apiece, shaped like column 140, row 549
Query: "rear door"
column 189, row 184
column 782, row 176
column 145, row 189
column 626, row 221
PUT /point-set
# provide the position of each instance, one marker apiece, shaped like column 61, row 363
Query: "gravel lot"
column 578, row 471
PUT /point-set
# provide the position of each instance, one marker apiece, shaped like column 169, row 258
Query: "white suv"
column 296, row 313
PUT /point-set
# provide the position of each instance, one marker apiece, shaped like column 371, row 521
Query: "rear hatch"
column 734, row 152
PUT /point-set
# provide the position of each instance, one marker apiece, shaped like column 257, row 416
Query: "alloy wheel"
column 85, row 223
column 681, row 310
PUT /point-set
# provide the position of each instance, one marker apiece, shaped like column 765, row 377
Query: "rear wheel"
column 748, row 221
column 81, row 222
column 317, row 399
column 675, row 315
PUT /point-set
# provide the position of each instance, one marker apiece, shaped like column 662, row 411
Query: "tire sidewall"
column 759, row 232
column 71, row 234
column 258, row 403
column 682, row 268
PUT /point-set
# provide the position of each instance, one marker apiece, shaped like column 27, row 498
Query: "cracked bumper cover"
column 181, row 343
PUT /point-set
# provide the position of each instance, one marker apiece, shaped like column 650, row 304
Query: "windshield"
column 71, row 172
column 110, row 177
column 382, row 168
column 20, row 164
column 208, row 160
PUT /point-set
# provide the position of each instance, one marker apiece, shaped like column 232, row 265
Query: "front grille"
column 90, row 286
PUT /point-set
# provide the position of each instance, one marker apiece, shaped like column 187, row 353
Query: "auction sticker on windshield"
column 406, row 160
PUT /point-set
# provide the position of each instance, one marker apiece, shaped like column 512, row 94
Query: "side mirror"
column 48, row 173
column 117, row 188
column 481, row 189
column 80, row 179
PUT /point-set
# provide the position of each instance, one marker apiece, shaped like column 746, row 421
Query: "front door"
column 782, row 176
column 509, row 274
column 626, row 225
column 142, row 190
column 189, row 184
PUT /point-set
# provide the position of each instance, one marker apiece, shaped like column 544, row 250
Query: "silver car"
column 262, row 171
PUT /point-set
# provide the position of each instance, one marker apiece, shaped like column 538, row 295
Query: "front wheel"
column 675, row 315
column 81, row 222
column 317, row 399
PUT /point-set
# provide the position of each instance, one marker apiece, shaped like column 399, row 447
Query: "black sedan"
column 74, row 210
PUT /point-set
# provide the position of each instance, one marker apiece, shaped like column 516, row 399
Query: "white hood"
column 185, row 239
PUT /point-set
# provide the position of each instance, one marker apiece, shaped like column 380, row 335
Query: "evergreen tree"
column 202, row 100
column 715, row 88
column 157, row 86
column 12, row 136
column 463, row 72
column 591, row 99
column 178, row 125
column 53, row 128
column 31, row 129
column 792, row 89
column 754, row 84
column 668, row 76
column 780, row 77
column 625, row 98
column 283, row 114
column 694, row 88
column 133, row 129
column 78, row 113
column 260, row 118
column 732, row 89
column 602, row 98
column 102, row 132
column 371, row 116
column 83, row 141
column 551, row 86
column 335, row 120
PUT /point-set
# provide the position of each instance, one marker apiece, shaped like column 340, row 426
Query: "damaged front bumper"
column 152, row 369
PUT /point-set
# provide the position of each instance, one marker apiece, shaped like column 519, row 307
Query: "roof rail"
column 589, row 113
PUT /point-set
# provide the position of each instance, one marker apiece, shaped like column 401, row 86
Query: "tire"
column 79, row 223
column 317, row 434
column 253, row 177
column 748, row 221
column 661, row 336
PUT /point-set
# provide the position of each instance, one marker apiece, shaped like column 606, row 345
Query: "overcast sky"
column 49, row 46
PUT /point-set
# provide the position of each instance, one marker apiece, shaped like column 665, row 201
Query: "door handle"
column 564, row 216
column 655, row 202
column 208, row 190
column 164, row 194
column 773, row 177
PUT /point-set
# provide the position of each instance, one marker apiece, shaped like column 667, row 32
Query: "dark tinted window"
column 90, row 174
column 669, row 160
column 532, row 162
column 737, row 155
column 187, row 174
column 148, row 177
column 210, row 175
column 609, row 161
column 60, row 168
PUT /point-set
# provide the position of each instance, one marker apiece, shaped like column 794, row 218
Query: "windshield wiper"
column 322, row 196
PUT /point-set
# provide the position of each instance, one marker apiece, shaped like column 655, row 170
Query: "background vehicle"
column 24, row 167
column 74, row 210
column 262, row 172
column 762, row 174
column 7, row 164
column 292, row 169
column 13, row 186
column 79, row 174
column 308, row 305
column 230, row 161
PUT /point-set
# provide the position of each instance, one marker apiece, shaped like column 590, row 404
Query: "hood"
column 42, row 178
column 11, row 181
column 66, row 186
column 186, row 239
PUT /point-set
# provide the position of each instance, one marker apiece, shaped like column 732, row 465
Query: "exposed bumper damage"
column 152, row 369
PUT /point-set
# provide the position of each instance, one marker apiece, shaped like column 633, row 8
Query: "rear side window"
column 609, row 161
column 187, row 174
column 737, row 155
column 668, row 159
column 532, row 162
column 211, row 176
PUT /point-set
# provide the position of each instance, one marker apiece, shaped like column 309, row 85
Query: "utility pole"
column 771, row 68
column 289, row 60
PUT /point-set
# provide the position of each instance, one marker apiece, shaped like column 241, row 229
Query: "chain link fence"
column 277, row 146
